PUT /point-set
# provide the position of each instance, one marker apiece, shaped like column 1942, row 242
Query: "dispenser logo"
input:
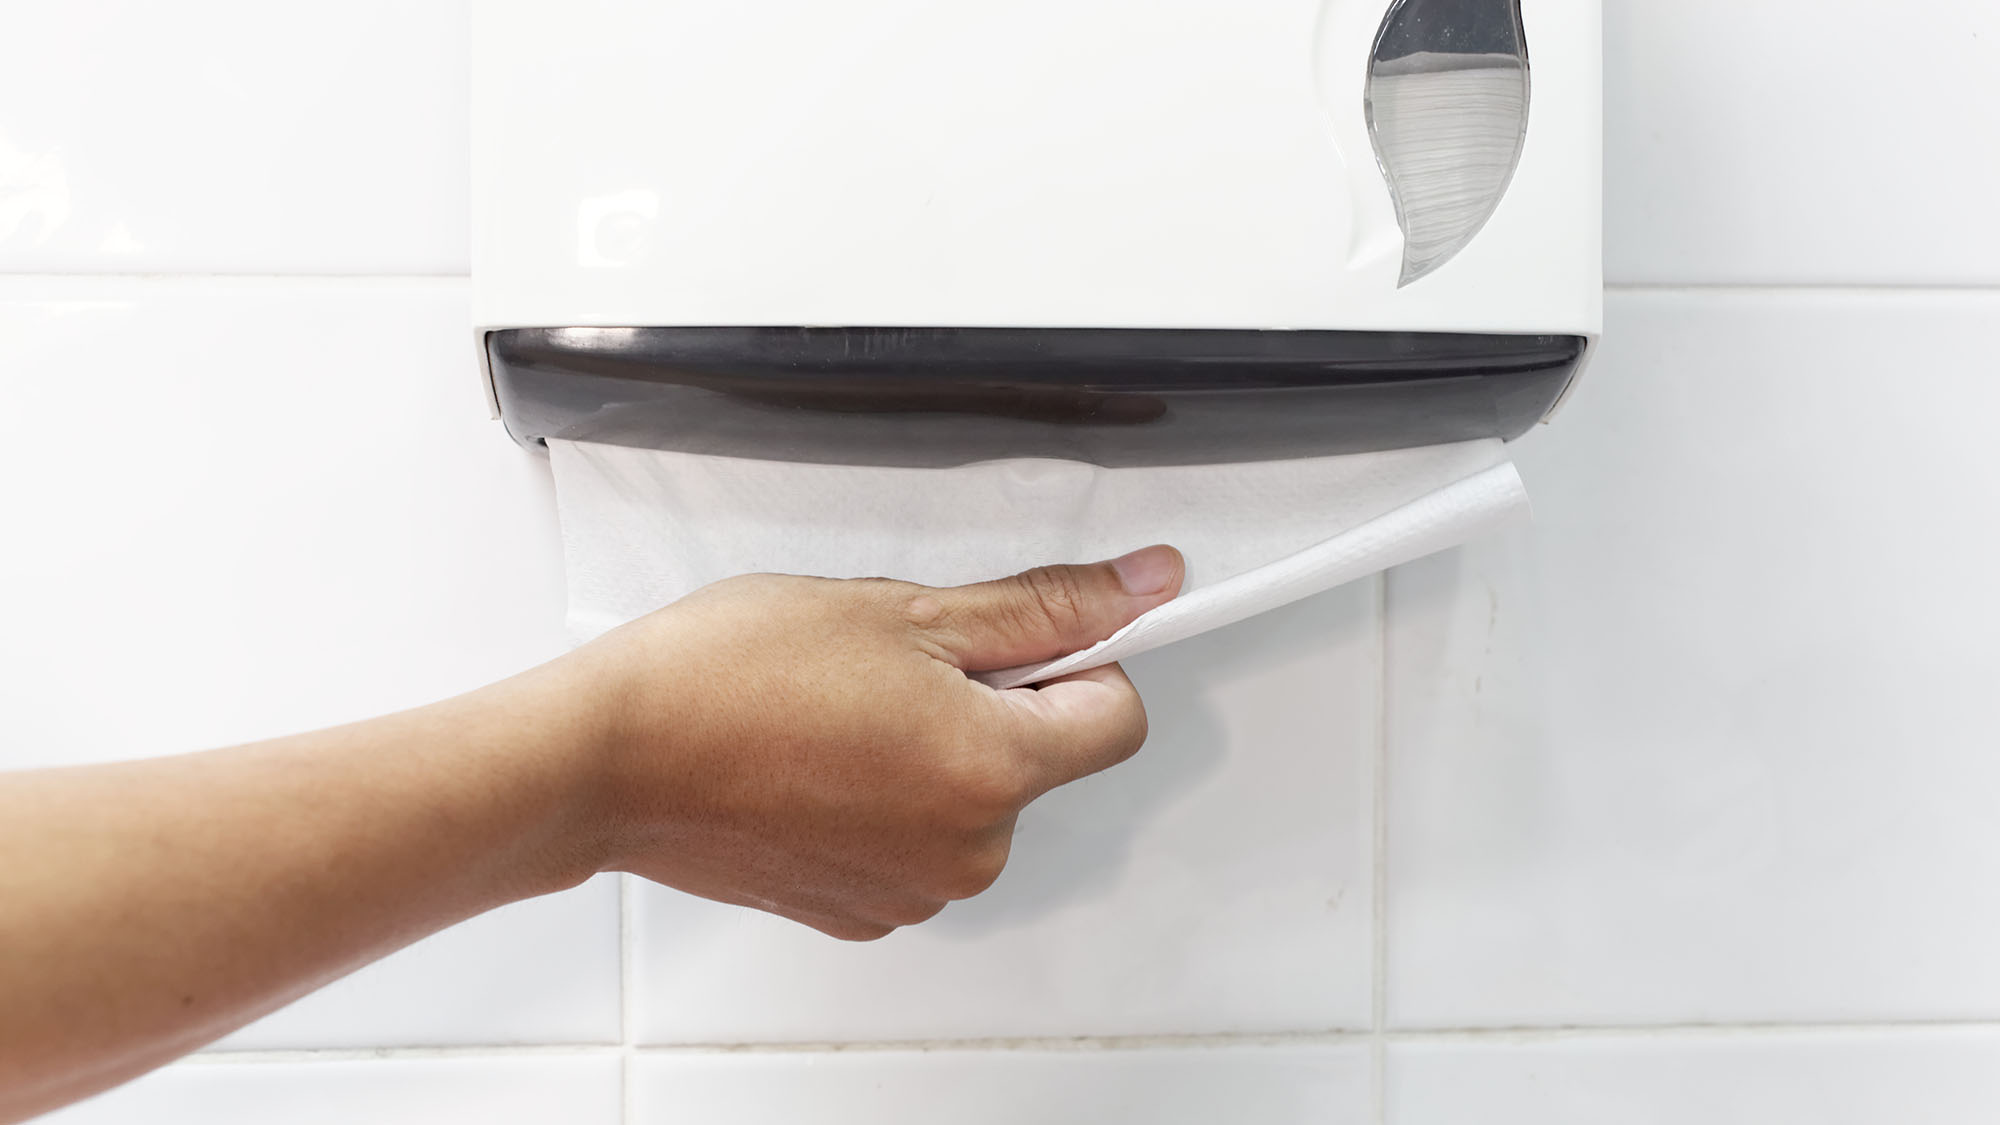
column 612, row 230
column 1447, row 108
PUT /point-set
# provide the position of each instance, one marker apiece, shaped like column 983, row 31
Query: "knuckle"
column 1137, row 727
column 989, row 787
column 922, row 609
column 857, row 930
column 863, row 597
column 885, row 591
column 1057, row 596
column 975, row 874
column 914, row 913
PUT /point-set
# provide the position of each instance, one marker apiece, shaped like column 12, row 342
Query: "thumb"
column 1051, row 611
column 1076, row 725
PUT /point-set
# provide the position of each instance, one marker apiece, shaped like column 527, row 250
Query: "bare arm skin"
column 804, row 746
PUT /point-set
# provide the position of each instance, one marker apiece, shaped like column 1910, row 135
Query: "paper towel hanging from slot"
column 643, row 527
column 851, row 287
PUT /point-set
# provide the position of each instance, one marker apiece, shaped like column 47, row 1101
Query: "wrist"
column 546, row 744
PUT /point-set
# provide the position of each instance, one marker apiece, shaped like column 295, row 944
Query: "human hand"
column 809, row 747
column 815, row 748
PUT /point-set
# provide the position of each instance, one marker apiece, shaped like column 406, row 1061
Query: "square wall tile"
column 239, row 509
column 1712, row 741
column 1836, row 142
column 225, row 136
column 1936, row 1076
column 1268, row 1085
column 1218, row 882
column 515, row 1090
column 236, row 510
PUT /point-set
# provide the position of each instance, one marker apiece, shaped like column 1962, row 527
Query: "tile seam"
column 200, row 277
column 1694, row 287
column 1496, row 1035
column 1379, row 867
column 628, row 1019
column 1827, row 289
column 369, row 1054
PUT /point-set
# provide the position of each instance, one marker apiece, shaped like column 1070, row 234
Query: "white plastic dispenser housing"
column 1122, row 232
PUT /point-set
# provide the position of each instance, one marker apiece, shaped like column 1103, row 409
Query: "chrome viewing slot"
column 1447, row 106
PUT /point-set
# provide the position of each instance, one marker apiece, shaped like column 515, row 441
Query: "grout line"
column 1497, row 1035
column 1083, row 1043
column 625, row 1080
column 197, row 276
column 1379, row 867
column 628, row 1016
column 1686, row 1030
column 351, row 1054
column 1828, row 288
column 1877, row 289
column 1477, row 1035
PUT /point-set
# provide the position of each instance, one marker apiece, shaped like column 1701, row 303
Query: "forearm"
column 808, row 747
column 149, row 907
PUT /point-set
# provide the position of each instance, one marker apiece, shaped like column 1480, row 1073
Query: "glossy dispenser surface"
column 1129, row 233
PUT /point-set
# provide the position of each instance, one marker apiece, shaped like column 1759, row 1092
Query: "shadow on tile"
column 1072, row 845
column 1468, row 705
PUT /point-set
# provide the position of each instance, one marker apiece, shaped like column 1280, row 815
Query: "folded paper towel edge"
column 1435, row 522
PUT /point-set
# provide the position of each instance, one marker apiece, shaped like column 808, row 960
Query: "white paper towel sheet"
column 643, row 527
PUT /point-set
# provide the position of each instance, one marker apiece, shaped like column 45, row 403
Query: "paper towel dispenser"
column 1122, row 231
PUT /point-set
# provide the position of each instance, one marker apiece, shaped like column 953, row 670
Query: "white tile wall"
column 518, row 1090
column 239, row 509
column 1711, row 741
column 1704, row 747
column 1220, row 881
column 255, row 508
column 230, row 136
column 1269, row 1085
column 1807, row 142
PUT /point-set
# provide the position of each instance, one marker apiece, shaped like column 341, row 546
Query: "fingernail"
column 1145, row 571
